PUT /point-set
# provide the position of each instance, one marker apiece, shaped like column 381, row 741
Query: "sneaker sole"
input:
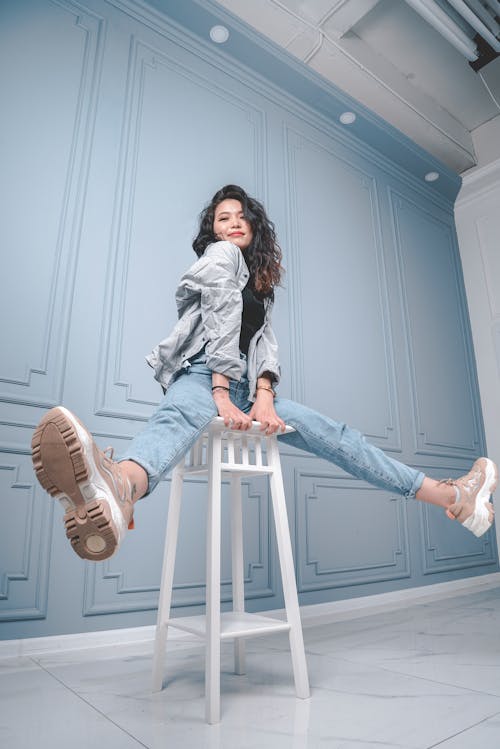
column 63, row 458
column 481, row 519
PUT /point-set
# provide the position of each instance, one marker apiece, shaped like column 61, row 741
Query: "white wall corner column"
column 477, row 213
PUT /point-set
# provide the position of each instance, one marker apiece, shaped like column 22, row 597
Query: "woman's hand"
column 263, row 411
column 232, row 415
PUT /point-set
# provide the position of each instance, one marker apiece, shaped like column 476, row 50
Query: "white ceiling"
column 385, row 55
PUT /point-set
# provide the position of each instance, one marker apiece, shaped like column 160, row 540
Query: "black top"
column 252, row 318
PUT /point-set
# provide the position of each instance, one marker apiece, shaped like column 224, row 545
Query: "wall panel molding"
column 124, row 123
column 433, row 355
column 452, row 547
column 25, row 380
column 24, row 542
column 108, row 586
column 265, row 86
column 303, row 253
column 347, row 554
column 151, row 76
column 488, row 230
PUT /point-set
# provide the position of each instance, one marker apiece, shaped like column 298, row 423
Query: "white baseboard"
column 352, row 608
column 79, row 641
column 314, row 614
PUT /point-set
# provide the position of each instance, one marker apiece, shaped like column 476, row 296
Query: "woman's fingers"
column 272, row 426
column 236, row 419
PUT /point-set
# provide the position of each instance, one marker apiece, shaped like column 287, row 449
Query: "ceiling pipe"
column 485, row 15
column 314, row 51
column 380, row 81
column 494, row 5
column 476, row 23
column 441, row 21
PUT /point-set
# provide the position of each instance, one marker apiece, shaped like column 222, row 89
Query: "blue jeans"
column 188, row 407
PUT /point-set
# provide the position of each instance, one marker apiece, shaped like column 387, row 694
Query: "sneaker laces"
column 449, row 482
column 454, row 483
column 469, row 483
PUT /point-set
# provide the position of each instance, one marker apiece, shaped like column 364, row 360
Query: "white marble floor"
column 420, row 677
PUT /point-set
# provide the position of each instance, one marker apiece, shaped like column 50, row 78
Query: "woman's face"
column 230, row 224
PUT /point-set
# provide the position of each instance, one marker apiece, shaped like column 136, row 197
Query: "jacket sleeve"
column 267, row 354
column 214, row 277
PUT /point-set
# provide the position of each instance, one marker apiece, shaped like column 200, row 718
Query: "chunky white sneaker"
column 87, row 482
column 473, row 507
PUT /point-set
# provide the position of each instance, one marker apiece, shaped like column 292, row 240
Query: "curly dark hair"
column 263, row 256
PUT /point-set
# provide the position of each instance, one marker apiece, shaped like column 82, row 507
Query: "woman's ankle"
column 436, row 493
column 137, row 478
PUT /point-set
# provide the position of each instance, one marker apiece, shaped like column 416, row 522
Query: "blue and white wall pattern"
column 118, row 124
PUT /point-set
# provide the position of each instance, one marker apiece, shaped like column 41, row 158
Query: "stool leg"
column 167, row 576
column 212, row 659
column 287, row 571
column 237, row 567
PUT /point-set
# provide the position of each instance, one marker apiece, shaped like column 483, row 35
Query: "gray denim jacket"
column 209, row 305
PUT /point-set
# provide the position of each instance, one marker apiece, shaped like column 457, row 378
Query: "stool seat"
column 219, row 451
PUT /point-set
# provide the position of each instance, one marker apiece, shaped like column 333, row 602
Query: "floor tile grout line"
column 404, row 673
column 441, row 683
column 459, row 733
column 86, row 702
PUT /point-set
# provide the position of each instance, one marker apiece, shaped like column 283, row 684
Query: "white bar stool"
column 219, row 451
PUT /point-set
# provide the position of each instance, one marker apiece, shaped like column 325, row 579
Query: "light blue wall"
column 117, row 126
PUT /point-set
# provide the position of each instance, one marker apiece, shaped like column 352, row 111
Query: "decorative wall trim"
column 311, row 574
column 486, row 249
column 106, row 590
column 312, row 615
column 468, row 552
column 389, row 433
column 23, row 390
column 23, row 590
column 21, row 574
column 480, row 197
column 478, row 184
column 144, row 59
column 291, row 100
column 295, row 320
column 423, row 444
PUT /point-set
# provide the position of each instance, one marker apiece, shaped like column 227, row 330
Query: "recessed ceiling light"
column 219, row 34
column 347, row 118
column 431, row 176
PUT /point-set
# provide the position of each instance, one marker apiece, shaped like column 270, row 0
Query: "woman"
column 222, row 358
